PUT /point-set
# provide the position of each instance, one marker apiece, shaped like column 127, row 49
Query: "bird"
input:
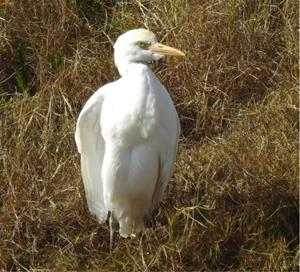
column 127, row 135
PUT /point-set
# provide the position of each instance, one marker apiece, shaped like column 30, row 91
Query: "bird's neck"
column 125, row 66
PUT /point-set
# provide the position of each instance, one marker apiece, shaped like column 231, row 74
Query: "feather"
column 91, row 145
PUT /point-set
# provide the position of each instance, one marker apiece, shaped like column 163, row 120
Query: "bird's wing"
column 90, row 145
column 166, row 168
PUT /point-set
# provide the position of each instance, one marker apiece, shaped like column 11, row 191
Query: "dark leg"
column 113, row 225
column 111, row 231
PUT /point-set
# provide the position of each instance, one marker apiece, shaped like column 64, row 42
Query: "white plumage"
column 127, row 135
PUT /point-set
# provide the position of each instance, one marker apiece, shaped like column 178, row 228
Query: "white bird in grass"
column 127, row 135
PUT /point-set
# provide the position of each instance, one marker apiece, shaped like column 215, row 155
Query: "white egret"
column 127, row 135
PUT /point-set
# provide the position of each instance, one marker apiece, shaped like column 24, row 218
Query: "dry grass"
column 233, row 201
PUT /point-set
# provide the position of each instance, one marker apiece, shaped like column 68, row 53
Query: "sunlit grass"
column 232, row 203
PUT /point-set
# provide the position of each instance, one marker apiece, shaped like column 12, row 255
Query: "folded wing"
column 90, row 144
column 166, row 168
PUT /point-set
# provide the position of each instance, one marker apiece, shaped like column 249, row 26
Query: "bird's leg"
column 112, row 228
column 151, row 218
column 111, row 231
column 149, row 221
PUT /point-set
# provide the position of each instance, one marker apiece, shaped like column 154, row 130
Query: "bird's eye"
column 143, row 45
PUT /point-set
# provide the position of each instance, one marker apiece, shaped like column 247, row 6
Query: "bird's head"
column 140, row 45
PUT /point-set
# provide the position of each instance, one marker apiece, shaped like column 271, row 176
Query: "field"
column 232, row 203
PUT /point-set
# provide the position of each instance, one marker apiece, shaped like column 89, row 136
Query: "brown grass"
column 233, row 201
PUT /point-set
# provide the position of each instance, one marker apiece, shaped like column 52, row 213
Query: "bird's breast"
column 130, row 114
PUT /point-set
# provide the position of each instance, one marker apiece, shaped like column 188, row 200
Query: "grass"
column 232, row 203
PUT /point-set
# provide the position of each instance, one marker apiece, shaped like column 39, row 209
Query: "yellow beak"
column 166, row 50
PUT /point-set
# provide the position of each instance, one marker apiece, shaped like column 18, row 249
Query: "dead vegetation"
column 233, row 201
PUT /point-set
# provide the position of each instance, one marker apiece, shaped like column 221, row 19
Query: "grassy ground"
column 233, row 201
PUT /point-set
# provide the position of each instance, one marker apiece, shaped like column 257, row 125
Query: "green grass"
column 232, row 203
